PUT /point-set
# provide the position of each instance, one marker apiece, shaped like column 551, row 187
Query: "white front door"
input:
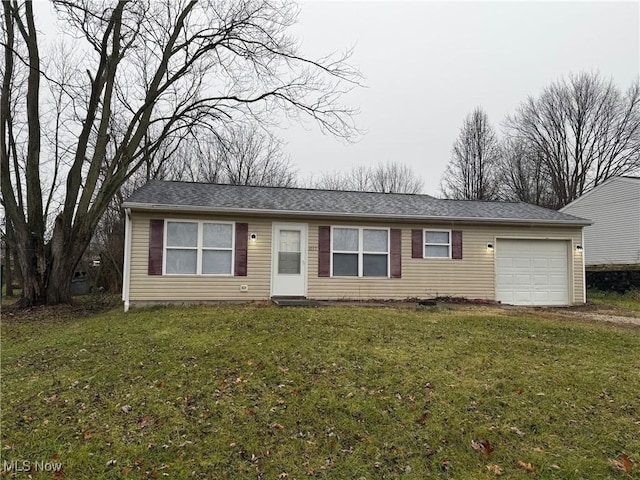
column 289, row 260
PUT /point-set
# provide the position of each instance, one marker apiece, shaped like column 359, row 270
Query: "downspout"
column 126, row 271
column 584, row 273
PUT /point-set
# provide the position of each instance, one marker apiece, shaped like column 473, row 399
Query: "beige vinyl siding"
column 614, row 208
column 471, row 277
column 193, row 288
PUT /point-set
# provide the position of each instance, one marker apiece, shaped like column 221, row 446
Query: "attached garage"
column 532, row 272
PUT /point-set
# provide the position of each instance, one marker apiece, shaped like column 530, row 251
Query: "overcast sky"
column 428, row 64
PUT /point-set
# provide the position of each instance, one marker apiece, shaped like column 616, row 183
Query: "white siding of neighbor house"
column 471, row 277
column 614, row 208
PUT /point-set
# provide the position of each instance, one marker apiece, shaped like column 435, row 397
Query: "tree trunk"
column 8, row 275
column 61, row 266
column 30, row 256
column 59, row 285
column 47, row 272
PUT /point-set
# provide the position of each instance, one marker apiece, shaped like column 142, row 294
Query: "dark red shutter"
column 156, row 240
column 324, row 251
column 242, row 234
column 396, row 253
column 456, row 244
column 417, row 244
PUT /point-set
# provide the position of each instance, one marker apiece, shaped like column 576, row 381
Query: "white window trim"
column 425, row 244
column 199, row 248
column 360, row 252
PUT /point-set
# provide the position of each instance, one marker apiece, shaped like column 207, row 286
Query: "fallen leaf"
column 144, row 421
column 276, row 426
column 554, row 466
column 126, row 470
column 624, row 463
column 58, row 474
column 517, row 431
column 87, row 435
column 526, row 466
column 445, row 465
column 422, row 419
column 126, row 408
column 495, row 469
column 483, row 446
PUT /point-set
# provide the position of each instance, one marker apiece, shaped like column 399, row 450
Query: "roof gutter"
column 373, row 216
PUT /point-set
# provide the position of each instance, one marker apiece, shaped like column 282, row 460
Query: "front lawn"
column 343, row 393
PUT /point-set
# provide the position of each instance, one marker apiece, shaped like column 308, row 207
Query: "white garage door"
column 532, row 272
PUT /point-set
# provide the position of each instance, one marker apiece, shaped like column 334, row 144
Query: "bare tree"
column 154, row 72
column 246, row 155
column 580, row 132
column 472, row 172
column 390, row 177
column 331, row 180
column 394, row 177
column 522, row 175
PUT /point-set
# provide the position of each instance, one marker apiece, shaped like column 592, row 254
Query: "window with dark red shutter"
column 396, row 253
column 456, row 244
column 324, row 251
column 417, row 244
column 242, row 235
column 156, row 236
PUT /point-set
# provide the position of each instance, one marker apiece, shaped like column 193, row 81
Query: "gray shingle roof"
column 207, row 197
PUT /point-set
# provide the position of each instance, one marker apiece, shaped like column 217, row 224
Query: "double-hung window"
column 437, row 244
column 198, row 248
column 360, row 252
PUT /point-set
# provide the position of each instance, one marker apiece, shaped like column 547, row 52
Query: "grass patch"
column 267, row 392
column 629, row 300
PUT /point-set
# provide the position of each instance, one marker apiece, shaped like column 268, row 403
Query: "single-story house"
column 196, row 242
column 614, row 208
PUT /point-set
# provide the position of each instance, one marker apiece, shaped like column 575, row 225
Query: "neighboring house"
column 195, row 242
column 614, row 208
